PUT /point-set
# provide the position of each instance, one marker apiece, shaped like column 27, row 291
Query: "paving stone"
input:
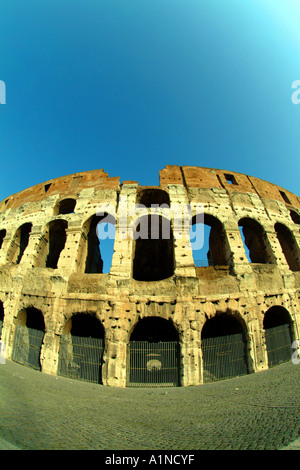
column 39, row 411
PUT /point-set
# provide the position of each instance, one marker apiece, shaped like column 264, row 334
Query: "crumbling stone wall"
column 188, row 297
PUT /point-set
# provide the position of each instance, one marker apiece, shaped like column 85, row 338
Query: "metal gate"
column 153, row 364
column 81, row 358
column 224, row 357
column 27, row 346
column 278, row 342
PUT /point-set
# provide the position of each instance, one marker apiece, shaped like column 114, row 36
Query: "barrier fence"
column 224, row 357
column 80, row 358
column 153, row 364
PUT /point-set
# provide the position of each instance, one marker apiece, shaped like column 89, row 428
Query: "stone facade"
column 45, row 235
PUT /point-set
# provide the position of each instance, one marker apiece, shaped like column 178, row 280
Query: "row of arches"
column 154, row 257
column 153, row 349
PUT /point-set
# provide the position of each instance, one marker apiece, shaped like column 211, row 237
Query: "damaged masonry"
column 192, row 281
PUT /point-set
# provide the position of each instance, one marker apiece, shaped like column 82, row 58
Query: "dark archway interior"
column 24, row 239
column 66, row 206
column 289, row 246
column 295, row 217
column 153, row 196
column 221, row 325
column 154, row 249
column 57, row 240
column 2, row 236
column 86, row 325
column 154, row 329
column 256, row 241
column 35, row 319
column 100, row 226
column 215, row 250
column 276, row 316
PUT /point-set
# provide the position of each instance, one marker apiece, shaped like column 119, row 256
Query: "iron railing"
column 224, row 357
column 278, row 342
column 27, row 346
column 80, row 358
column 153, row 364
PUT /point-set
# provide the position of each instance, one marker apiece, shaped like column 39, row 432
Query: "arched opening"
column 28, row 339
column 81, row 348
column 278, row 334
column 57, row 241
column 153, row 197
column 289, row 246
column 19, row 244
column 224, row 348
column 154, row 354
column 295, row 216
column 209, row 242
column 2, row 236
column 256, row 244
column 154, row 249
column 100, row 243
column 66, row 206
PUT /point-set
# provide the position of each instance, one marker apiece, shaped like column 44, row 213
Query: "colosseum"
column 101, row 281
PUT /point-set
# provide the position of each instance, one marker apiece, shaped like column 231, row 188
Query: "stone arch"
column 28, row 338
column 19, row 243
column 278, row 328
column 289, row 246
column 65, row 206
column 99, row 233
column 2, row 236
column 295, row 216
column 153, row 248
column 153, row 196
column 215, row 249
column 81, row 348
column 224, row 344
column 256, row 243
column 153, row 353
column 56, row 239
column 154, row 329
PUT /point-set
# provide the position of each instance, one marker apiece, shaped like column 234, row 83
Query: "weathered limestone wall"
column 189, row 297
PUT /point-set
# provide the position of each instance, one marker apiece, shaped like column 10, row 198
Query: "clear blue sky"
column 133, row 85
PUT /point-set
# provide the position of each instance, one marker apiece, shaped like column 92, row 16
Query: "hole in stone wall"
column 230, row 178
column 221, row 325
column 289, row 246
column 22, row 240
column 86, row 325
column 284, row 197
column 66, row 206
column 154, row 249
column 100, row 244
column 154, row 329
column 256, row 244
column 209, row 242
column 35, row 319
column 2, row 236
column 150, row 196
column 295, row 217
column 57, row 240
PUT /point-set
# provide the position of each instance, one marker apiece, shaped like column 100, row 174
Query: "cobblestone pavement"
column 256, row 412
